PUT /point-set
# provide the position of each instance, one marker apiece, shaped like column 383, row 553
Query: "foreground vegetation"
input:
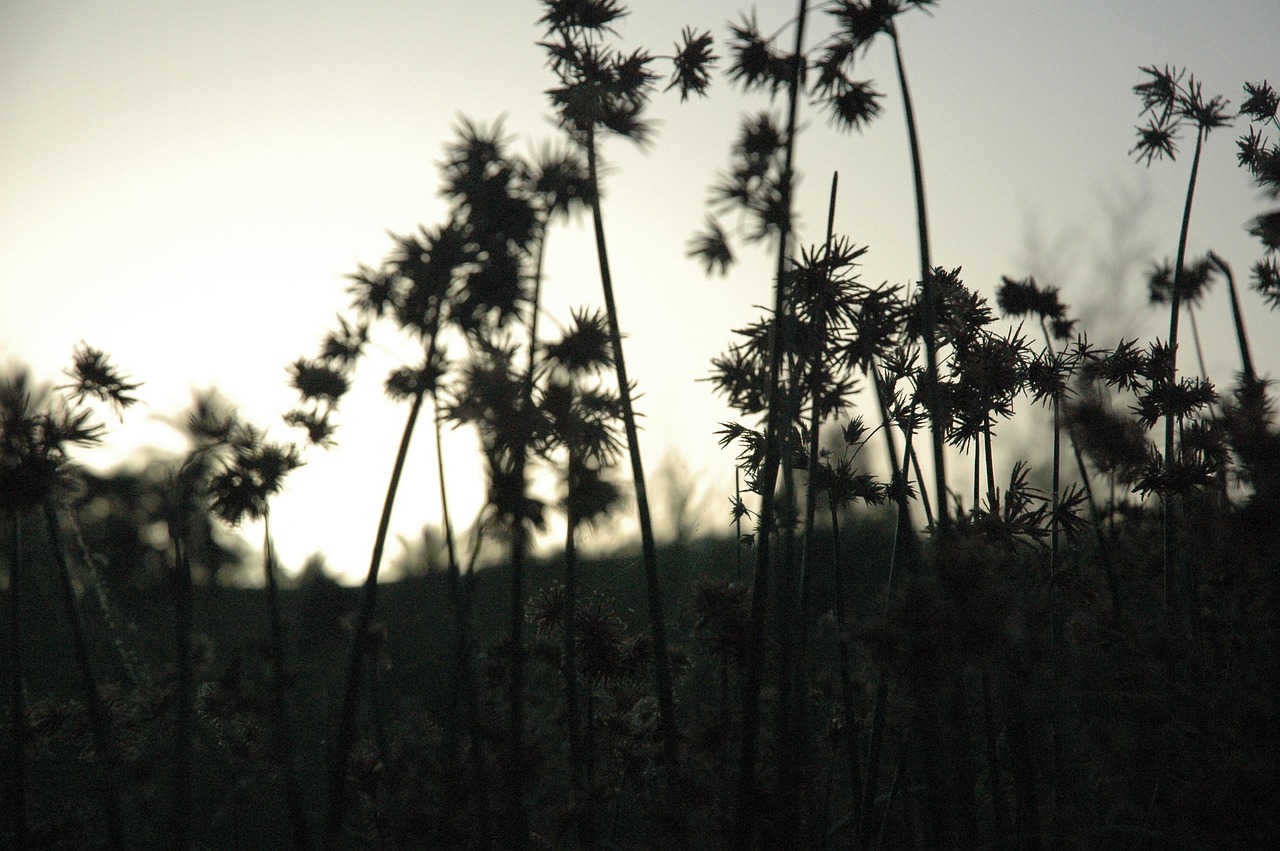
column 1082, row 658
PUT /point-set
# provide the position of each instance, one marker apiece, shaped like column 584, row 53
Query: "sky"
column 185, row 185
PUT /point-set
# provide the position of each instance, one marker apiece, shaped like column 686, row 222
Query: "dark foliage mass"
column 1080, row 652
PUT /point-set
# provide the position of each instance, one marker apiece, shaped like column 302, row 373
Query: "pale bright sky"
column 185, row 184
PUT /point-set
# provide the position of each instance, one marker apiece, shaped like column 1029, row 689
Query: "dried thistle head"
column 693, row 60
column 93, row 375
column 754, row 62
column 255, row 472
column 1196, row 278
column 37, row 432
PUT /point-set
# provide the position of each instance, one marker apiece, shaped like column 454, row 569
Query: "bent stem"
column 929, row 294
column 1246, row 359
column 345, row 734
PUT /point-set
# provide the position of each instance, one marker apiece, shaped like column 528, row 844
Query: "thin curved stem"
column 344, row 737
column 928, row 294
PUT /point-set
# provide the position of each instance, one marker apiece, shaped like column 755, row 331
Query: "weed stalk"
column 344, row 736
column 657, row 624
column 777, row 426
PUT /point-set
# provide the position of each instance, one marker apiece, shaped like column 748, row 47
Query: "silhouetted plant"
column 37, row 433
column 1171, row 102
column 604, row 90
column 1100, row 727
column 241, row 490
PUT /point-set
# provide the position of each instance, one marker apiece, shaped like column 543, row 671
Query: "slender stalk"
column 519, row 827
column 657, row 623
column 282, row 738
column 463, row 677
column 890, row 796
column 977, row 474
column 1027, row 814
column 851, row 726
column 182, row 624
column 454, row 572
column 964, row 774
column 517, row 779
column 776, row 426
column 1054, row 555
column 577, row 789
column 999, row 809
column 128, row 659
column 1175, row 308
column 929, row 294
column 344, row 736
column 920, row 482
column 993, row 499
column 793, row 743
column 18, row 713
column 737, row 519
column 1104, row 545
column 98, row 722
column 904, row 536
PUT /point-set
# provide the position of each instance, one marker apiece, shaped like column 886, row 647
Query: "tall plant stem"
column 517, row 777
column 578, row 789
column 1055, row 725
column 851, row 726
column 456, row 597
column 17, row 702
column 282, row 737
column 108, row 759
column 344, row 737
column 517, row 780
column 1175, row 308
column 463, row 678
column 1057, row 488
column 929, row 294
column 903, row 536
column 1104, row 545
column 182, row 625
column 737, row 519
column 914, row 459
column 992, row 498
column 1027, row 812
column 657, row 624
column 793, row 742
column 776, row 426
column 999, row 810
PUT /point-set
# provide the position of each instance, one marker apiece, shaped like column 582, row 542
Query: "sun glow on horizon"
column 187, row 188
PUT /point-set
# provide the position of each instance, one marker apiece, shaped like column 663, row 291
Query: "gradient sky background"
column 186, row 184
